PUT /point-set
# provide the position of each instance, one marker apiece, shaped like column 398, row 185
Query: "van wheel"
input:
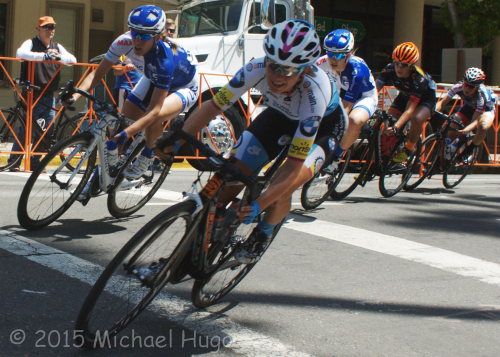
column 221, row 135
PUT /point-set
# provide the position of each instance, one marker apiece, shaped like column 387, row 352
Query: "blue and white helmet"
column 147, row 18
column 339, row 41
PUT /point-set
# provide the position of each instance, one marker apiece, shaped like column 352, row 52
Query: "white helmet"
column 292, row 43
column 147, row 18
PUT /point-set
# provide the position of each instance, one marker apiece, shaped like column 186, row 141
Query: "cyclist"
column 298, row 95
column 354, row 82
column 169, row 85
column 478, row 109
column 416, row 99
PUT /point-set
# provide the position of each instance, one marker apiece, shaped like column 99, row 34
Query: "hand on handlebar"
column 391, row 131
column 246, row 214
column 167, row 152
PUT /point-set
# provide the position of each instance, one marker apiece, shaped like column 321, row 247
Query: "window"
column 68, row 33
column 280, row 17
column 5, row 34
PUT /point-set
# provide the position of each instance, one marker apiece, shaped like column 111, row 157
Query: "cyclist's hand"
column 246, row 214
column 129, row 67
column 391, row 131
column 67, row 101
column 167, row 152
column 461, row 132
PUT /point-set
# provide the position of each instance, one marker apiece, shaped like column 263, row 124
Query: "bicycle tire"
column 124, row 203
column 223, row 261
column 358, row 165
column 34, row 201
column 7, row 138
column 395, row 175
column 426, row 161
column 70, row 128
column 312, row 197
column 143, row 264
column 457, row 171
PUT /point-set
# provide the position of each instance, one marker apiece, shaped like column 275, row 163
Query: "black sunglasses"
column 49, row 28
column 170, row 30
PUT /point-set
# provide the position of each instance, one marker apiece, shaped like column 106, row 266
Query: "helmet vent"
column 282, row 55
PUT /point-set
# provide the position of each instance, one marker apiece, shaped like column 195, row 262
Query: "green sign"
column 356, row 27
column 323, row 25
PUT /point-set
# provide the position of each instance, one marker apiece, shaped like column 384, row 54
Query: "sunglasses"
column 469, row 85
column 287, row 71
column 337, row 55
column 170, row 30
column 402, row 64
column 49, row 28
column 141, row 35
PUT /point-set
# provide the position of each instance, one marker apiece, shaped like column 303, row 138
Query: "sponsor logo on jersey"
column 312, row 98
column 345, row 81
column 308, row 127
column 238, row 80
column 321, row 61
column 331, row 144
column 249, row 67
column 258, row 65
column 318, row 163
column 254, row 150
column 307, row 84
column 124, row 43
column 300, row 148
column 223, row 97
column 265, row 98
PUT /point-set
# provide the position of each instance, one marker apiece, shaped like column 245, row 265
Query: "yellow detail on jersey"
column 223, row 97
column 300, row 148
column 122, row 59
column 419, row 70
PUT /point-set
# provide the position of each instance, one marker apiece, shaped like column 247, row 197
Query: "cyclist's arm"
column 406, row 116
column 95, row 77
column 442, row 103
column 154, row 108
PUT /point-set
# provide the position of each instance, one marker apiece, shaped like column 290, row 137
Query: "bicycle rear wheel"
column 136, row 275
column 319, row 187
column 395, row 175
column 225, row 272
column 8, row 137
column 459, row 169
column 424, row 162
column 46, row 197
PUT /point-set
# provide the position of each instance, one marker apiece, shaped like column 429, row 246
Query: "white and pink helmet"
column 292, row 43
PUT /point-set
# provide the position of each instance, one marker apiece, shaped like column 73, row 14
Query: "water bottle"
column 447, row 149
column 453, row 147
column 220, row 215
column 112, row 153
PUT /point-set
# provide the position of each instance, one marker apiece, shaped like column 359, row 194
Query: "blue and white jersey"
column 483, row 100
column 167, row 70
column 354, row 80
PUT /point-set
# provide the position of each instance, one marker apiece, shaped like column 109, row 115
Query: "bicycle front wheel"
column 46, row 197
column 224, row 271
column 460, row 168
column 424, row 163
column 136, row 275
column 321, row 186
column 8, row 136
column 395, row 175
column 70, row 128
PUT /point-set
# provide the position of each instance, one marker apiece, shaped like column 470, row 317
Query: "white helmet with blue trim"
column 148, row 18
column 339, row 41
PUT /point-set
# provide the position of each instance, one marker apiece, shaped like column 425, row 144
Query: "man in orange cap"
column 41, row 48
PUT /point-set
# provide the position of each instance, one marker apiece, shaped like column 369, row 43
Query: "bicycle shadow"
column 73, row 229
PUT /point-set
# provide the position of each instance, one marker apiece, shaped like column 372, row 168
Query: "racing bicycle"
column 190, row 237
column 13, row 121
column 372, row 156
column 432, row 159
column 46, row 197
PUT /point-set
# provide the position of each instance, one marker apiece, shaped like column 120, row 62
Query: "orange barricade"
column 28, row 150
column 493, row 155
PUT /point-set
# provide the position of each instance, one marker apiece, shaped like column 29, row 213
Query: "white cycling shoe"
column 138, row 168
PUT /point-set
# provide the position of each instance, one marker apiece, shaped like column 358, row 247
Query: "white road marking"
column 323, row 204
column 160, row 203
column 485, row 271
column 243, row 340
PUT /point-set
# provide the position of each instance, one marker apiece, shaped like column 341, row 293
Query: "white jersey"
column 122, row 46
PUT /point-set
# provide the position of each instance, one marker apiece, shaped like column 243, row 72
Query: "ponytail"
column 167, row 39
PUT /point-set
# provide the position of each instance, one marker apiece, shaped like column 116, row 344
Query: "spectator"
column 170, row 28
column 123, row 87
column 41, row 48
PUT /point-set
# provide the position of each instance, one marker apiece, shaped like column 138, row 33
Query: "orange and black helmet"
column 406, row 52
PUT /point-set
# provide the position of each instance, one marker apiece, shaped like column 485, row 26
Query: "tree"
column 474, row 23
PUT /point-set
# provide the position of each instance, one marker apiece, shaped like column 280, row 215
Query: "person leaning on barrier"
column 41, row 48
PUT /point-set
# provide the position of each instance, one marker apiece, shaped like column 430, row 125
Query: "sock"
column 147, row 152
column 338, row 152
column 409, row 146
column 265, row 227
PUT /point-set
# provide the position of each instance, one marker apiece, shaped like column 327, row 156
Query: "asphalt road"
column 413, row 275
